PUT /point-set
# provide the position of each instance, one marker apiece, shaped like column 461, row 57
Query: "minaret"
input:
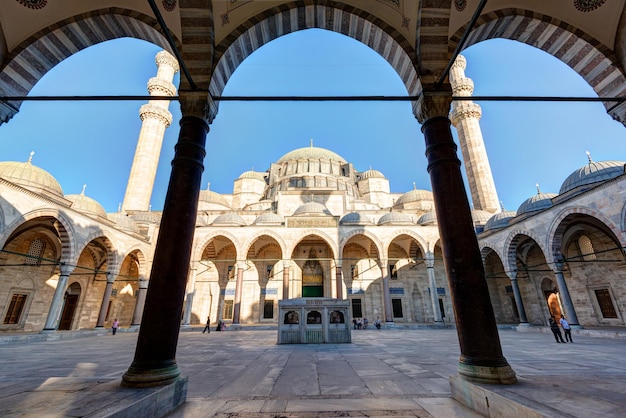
column 156, row 118
column 465, row 115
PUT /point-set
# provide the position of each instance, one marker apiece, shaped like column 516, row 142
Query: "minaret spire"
column 155, row 118
column 465, row 115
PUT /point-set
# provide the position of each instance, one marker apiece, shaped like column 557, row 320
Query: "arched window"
column 585, row 247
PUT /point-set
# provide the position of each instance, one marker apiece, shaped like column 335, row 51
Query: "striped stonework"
column 37, row 55
column 295, row 16
column 595, row 62
column 432, row 39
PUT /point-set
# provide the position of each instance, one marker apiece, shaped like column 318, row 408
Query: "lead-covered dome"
column 30, row 176
column 499, row 220
column 415, row 195
column 254, row 175
column 395, row 218
column 429, row 218
column 355, row 218
column 371, row 174
column 229, row 219
column 312, row 153
column 537, row 202
column 312, row 208
column 84, row 204
column 593, row 172
column 269, row 218
column 211, row 197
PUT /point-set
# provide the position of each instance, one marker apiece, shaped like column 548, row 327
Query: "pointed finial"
column 119, row 207
column 83, row 191
column 30, row 157
column 502, row 208
column 208, row 186
column 589, row 156
column 253, row 169
column 149, row 208
column 311, row 142
column 537, row 185
column 414, row 186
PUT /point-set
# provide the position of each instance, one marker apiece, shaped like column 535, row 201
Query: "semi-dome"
column 395, row 218
column 255, row 175
column 209, row 196
column 269, row 218
column 229, row 219
column 415, row 195
column 312, row 208
column 313, row 153
column 85, row 204
column 499, row 220
column 372, row 174
column 30, row 176
column 537, row 202
column 592, row 173
column 429, row 218
column 355, row 218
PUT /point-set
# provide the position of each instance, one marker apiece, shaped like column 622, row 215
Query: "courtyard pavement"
column 382, row 373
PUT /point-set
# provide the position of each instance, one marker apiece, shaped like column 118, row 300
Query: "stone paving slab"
column 387, row 373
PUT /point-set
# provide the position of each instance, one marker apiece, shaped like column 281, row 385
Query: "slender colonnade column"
column 105, row 300
column 434, row 297
column 286, row 267
column 191, row 291
column 52, row 321
column 481, row 353
column 384, row 267
column 155, row 355
column 566, row 299
column 238, row 293
column 339, row 279
column 140, row 303
column 518, row 299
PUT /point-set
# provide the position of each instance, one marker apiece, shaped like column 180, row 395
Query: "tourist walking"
column 115, row 326
column 567, row 329
column 554, row 327
column 207, row 327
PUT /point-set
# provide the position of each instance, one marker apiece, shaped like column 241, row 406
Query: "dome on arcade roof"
column 312, row 208
column 415, row 195
column 209, row 196
column 311, row 152
column 372, row 174
column 480, row 217
column 499, row 220
column 395, row 218
column 253, row 175
column 537, row 202
column 30, row 176
column 269, row 218
column 355, row 218
column 592, row 172
column 429, row 218
column 229, row 219
column 84, row 204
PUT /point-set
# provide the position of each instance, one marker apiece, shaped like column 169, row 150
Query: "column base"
column 144, row 378
column 499, row 375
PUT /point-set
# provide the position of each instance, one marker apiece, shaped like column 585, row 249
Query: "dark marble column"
column 384, row 267
column 521, row 311
column 432, row 283
column 140, row 303
column 286, row 266
column 54, row 313
column 481, row 357
column 339, row 282
column 105, row 300
column 566, row 299
column 238, row 293
column 155, row 355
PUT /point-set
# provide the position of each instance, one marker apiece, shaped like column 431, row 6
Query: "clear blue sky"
column 93, row 143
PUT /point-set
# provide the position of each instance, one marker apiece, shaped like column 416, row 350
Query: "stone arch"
column 345, row 238
column 420, row 240
column 64, row 227
column 511, row 243
column 279, row 240
column 39, row 53
column 592, row 60
column 332, row 244
column 113, row 258
column 140, row 253
column 200, row 245
column 294, row 16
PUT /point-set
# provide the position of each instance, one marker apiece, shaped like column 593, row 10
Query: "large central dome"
column 313, row 153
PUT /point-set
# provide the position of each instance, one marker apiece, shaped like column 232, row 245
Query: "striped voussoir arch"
column 34, row 57
column 295, row 16
column 433, row 49
column 595, row 62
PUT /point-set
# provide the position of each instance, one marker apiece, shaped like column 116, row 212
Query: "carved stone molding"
column 165, row 58
column 198, row 104
column 433, row 103
column 159, row 87
column 588, row 5
column 151, row 111
column 34, row 4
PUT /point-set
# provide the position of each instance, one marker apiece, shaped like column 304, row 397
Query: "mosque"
column 311, row 225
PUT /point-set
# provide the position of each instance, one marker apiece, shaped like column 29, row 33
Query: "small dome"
column 123, row 221
column 355, row 218
column 592, row 173
column 269, row 219
column 311, row 153
column 30, row 176
column 311, row 208
column 147, row 217
column 229, row 219
column 372, row 174
column 415, row 195
column 480, row 217
column 499, row 220
column 395, row 218
column 84, row 204
column 210, row 196
column 537, row 202
column 429, row 218
column 255, row 175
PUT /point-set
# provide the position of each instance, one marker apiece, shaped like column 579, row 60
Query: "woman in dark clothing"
column 554, row 327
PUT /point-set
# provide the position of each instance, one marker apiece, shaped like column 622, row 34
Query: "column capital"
column 433, row 102
column 512, row 275
column 199, row 104
column 111, row 277
column 143, row 283
column 286, row 264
